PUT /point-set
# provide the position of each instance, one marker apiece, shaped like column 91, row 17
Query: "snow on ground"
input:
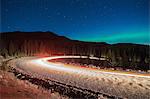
column 132, row 87
column 13, row 88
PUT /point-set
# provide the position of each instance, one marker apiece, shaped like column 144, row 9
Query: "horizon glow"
column 111, row 21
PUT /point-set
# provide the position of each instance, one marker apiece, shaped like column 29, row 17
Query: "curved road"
column 121, row 84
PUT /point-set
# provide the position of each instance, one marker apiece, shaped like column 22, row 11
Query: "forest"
column 124, row 55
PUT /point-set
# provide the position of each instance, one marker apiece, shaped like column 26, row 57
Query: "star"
column 49, row 16
column 76, row 14
column 58, row 13
column 72, row 2
column 105, row 7
column 6, row 10
column 43, row 25
column 85, row 17
column 8, row 27
column 110, row 8
column 77, row 0
column 64, row 16
column 139, row 4
column 46, row 8
column 101, row 14
column 83, row 24
column 85, row 4
column 9, row 2
column 71, row 19
column 114, row 14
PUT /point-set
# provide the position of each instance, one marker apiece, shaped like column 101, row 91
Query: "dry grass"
column 13, row 88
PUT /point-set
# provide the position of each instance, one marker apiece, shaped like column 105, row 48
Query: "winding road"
column 120, row 84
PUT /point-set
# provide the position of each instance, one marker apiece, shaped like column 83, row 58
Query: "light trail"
column 117, row 83
column 85, row 71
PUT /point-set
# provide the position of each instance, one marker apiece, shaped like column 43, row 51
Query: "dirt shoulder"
column 13, row 88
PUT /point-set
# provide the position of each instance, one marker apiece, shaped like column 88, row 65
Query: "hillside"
column 124, row 55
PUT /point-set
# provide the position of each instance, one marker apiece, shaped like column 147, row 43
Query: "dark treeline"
column 124, row 55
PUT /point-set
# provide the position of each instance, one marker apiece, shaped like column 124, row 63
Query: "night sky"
column 111, row 21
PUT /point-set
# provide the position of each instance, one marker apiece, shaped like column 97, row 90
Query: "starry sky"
column 111, row 21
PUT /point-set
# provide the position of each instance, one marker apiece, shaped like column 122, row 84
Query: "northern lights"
column 134, row 37
column 111, row 21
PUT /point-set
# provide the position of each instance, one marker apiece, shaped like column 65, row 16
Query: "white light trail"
column 72, row 69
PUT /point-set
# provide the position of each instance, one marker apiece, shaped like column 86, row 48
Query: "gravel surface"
column 13, row 88
column 117, row 85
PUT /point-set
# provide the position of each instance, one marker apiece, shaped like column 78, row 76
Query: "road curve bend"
column 119, row 84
